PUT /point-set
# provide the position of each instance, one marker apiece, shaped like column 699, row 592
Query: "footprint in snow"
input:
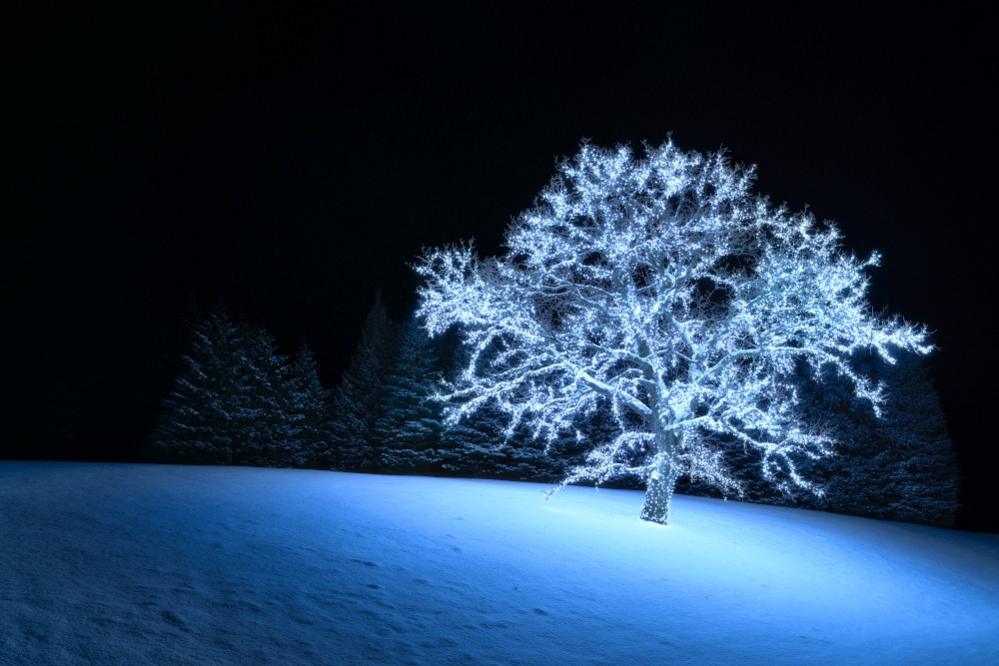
column 172, row 618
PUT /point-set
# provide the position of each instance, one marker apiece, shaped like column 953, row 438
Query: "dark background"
column 288, row 160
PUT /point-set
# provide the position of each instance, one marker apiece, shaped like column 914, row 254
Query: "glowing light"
column 660, row 289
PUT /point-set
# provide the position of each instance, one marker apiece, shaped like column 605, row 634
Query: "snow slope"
column 135, row 564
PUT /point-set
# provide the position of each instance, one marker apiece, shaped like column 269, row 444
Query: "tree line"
column 237, row 400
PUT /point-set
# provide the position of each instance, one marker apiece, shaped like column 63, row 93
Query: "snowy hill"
column 132, row 564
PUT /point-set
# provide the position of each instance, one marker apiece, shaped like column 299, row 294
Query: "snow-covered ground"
column 141, row 564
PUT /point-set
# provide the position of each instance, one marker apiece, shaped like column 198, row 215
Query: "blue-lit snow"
column 136, row 564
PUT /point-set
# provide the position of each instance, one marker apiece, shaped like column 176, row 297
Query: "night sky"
column 288, row 161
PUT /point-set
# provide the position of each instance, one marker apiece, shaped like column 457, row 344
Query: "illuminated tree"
column 660, row 286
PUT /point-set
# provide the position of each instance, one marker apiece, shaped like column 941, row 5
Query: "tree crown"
column 660, row 287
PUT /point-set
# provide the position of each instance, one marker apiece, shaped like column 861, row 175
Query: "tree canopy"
column 659, row 287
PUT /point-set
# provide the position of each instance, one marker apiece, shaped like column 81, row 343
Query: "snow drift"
column 134, row 564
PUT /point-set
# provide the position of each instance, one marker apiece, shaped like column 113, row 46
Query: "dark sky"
column 290, row 159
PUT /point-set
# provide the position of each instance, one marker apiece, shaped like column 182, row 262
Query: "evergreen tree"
column 238, row 401
column 479, row 446
column 904, row 465
column 264, row 422
column 201, row 416
column 476, row 446
column 306, row 409
column 901, row 466
column 357, row 398
column 408, row 429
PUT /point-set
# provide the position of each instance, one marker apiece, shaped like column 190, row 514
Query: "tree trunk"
column 665, row 471
column 659, row 490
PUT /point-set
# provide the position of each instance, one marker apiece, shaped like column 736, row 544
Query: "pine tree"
column 479, row 446
column 263, row 422
column 239, row 401
column 357, row 398
column 200, row 420
column 901, row 466
column 905, row 466
column 408, row 430
column 475, row 446
column 306, row 409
